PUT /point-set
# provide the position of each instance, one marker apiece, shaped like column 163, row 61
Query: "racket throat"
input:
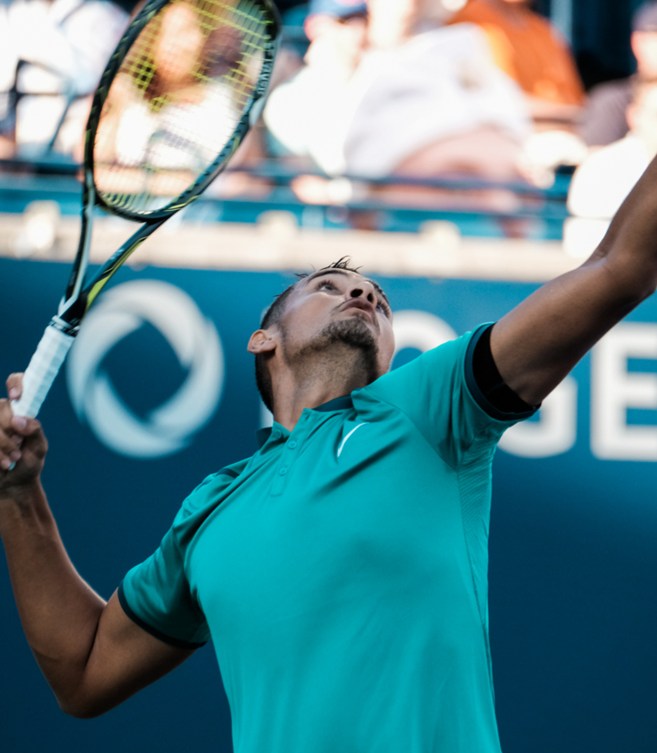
column 70, row 314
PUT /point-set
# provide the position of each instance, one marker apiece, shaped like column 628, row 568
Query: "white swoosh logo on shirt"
column 349, row 435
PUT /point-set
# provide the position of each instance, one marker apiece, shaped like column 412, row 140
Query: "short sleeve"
column 156, row 594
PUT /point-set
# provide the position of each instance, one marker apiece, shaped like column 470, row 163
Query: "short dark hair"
column 272, row 316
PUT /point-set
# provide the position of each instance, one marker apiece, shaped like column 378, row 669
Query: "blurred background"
column 460, row 152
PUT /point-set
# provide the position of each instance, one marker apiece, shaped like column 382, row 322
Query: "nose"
column 364, row 290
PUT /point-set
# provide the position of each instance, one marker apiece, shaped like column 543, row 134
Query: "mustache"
column 352, row 333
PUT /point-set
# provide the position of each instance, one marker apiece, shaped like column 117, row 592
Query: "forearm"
column 58, row 610
column 92, row 654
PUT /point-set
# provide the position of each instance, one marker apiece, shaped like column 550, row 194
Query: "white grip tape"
column 42, row 370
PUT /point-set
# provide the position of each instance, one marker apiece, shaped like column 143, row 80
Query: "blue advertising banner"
column 158, row 392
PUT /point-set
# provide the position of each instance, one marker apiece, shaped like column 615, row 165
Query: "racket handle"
column 42, row 370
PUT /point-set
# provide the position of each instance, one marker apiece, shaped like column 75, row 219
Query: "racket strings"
column 176, row 101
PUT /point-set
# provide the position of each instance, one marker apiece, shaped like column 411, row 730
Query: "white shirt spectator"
column 64, row 46
column 603, row 180
column 436, row 85
column 366, row 121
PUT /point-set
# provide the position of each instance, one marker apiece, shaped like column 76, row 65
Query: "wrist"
column 20, row 503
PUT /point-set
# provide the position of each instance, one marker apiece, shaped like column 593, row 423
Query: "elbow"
column 83, row 706
column 628, row 283
column 632, row 275
column 641, row 288
column 80, row 711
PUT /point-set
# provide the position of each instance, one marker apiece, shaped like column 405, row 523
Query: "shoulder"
column 439, row 394
column 205, row 497
column 442, row 365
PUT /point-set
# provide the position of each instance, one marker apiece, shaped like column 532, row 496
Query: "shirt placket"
column 289, row 454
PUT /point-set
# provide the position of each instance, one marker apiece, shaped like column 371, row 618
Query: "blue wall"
column 573, row 554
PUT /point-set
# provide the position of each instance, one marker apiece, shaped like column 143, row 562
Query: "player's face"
column 336, row 305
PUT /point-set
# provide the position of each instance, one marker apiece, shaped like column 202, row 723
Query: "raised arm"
column 538, row 342
column 91, row 653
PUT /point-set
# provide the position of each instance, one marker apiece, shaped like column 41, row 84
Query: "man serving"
column 340, row 571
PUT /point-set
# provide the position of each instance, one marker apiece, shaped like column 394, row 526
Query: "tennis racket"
column 177, row 97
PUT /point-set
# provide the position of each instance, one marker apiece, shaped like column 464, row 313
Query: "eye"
column 326, row 285
column 382, row 305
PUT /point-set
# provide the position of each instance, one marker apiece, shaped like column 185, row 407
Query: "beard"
column 344, row 339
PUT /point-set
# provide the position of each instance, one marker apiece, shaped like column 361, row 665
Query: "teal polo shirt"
column 341, row 571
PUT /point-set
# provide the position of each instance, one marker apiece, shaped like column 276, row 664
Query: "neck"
column 316, row 381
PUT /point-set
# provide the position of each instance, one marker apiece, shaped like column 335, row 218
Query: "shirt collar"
column 338, row 403
column 276, row 431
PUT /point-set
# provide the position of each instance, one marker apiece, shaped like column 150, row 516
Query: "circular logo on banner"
column 194, row 341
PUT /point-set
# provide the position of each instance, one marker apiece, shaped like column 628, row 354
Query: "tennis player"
column 341, row 570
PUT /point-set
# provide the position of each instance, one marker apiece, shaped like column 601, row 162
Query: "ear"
column 262, row 341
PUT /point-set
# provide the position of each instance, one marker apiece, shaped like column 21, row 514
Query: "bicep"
column 124, row 658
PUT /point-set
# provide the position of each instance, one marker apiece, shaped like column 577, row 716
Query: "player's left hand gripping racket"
column 176, row 99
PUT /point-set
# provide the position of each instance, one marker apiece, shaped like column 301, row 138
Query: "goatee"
column 353, row 333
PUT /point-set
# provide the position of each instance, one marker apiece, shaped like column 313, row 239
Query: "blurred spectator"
column 390, row 23
column 605, row 177
column 181, row 115
column 52, row 53
column 604, row 117
column 308, row 115
column 182, row 102
column 392, row 97
column 435, row 103
column 528, row 48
